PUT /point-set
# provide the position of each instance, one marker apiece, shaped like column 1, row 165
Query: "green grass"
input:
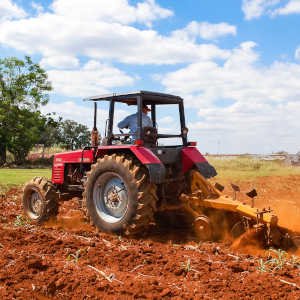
column 249, row 168
column 15, row 177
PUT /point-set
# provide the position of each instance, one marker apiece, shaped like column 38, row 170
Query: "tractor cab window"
column 168, row 122
column 122, row 111
column 102, row 113
column 125, row 123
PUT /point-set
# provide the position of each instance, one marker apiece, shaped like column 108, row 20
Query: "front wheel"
column 118, row 196
column 40, row 199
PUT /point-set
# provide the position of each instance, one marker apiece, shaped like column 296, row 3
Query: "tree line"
column 24, row 89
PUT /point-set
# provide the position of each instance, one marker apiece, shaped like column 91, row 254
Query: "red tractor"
column 122, row 182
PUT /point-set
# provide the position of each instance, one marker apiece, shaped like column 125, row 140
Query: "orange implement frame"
column 205, row 195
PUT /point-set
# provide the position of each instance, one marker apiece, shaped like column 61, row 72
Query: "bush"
column 45, row 162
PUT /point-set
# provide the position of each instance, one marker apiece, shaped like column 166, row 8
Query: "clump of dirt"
column 70, row 217
column 68, row 258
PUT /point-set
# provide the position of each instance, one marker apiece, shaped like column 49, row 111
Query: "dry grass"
column 50, row 150
column 249, row 168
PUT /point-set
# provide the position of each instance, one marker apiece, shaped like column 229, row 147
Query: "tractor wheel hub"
column 36, row 203
column 110, row 197
column 113, row 200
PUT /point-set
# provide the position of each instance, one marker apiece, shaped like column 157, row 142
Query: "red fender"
column 191, row 157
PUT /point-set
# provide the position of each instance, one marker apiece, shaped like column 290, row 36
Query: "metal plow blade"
column 217, row 215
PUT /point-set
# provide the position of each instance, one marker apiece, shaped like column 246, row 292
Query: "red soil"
column 68, row 259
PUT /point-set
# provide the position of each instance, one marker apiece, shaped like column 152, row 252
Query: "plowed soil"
column 69, row 259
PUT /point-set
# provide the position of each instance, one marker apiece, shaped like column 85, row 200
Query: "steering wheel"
column 123, row 138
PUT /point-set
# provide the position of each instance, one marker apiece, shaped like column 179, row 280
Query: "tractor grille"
column 58, row 173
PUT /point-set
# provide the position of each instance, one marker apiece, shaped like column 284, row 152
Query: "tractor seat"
column 149, row 136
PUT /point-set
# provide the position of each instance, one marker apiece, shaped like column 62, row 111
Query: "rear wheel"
column 118, row 196
column 40, row 199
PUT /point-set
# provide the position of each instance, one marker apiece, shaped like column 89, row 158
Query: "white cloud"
column 60, row 62
column 119, row 11
column 239, row 78
column 264, row 102
column 205, row 30
column 149, row 11
column 167, row 120
column 9, row 10
column 71, row 110
column 37, row 7
column 92, row 78
column 297, row 53
column 257, row 8
column 248, row 127
column 100, row 34
column 292, row 7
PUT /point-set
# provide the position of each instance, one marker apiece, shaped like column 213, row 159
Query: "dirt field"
column 69, row 259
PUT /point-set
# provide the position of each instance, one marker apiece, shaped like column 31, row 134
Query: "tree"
column 50, row 131
column 74, row 135
column 24, row 88
column 26, row 132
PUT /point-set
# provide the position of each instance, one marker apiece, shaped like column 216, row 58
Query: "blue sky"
column 236, row 63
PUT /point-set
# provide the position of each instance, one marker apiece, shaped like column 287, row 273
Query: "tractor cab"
column 161, row 106
column 166, row 151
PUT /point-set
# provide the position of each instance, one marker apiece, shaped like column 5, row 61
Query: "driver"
column 130, row 122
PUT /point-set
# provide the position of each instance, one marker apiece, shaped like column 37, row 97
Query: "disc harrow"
column 217, row 216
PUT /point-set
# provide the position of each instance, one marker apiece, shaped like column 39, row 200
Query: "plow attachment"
column 218, row 216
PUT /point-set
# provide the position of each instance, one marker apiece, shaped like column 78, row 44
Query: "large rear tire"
column 118, row 196
column 40, row 199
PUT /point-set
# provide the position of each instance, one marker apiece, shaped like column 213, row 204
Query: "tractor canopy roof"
column 131, row 98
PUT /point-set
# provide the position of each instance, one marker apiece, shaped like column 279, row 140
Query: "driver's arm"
column 124, row 123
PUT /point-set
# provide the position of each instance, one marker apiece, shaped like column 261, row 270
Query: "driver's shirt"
column 131, row 123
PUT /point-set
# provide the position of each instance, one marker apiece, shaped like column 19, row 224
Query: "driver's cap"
column 146, row 107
